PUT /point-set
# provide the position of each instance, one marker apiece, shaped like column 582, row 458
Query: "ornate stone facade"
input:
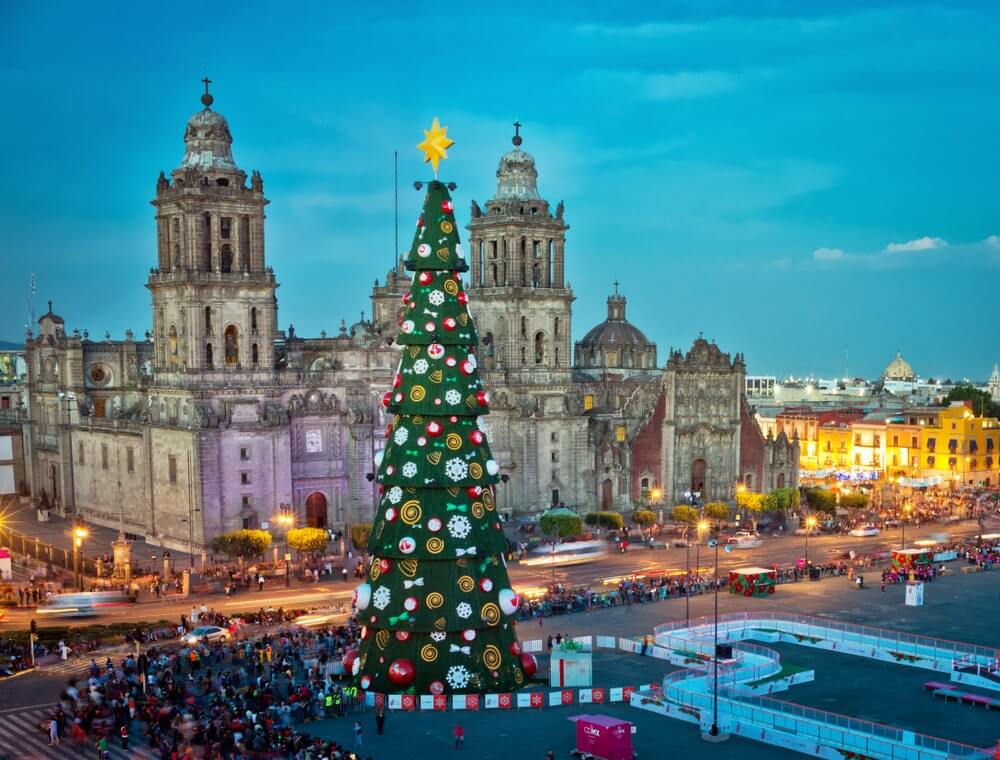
column 218, row 416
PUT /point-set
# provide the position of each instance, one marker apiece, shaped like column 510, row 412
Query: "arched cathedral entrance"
column 698, row 469
column 316, row 510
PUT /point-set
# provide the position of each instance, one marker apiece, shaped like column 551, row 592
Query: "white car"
column 863, row 531
column 205, row 633
column 745, row 540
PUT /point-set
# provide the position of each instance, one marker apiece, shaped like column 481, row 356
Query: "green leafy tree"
column 361, row 534
column 854, row 501
column 565, row 526
column 610, row 520
column 685, row 514
column 242, row 544
column 785, row 499
column 437, row 603
column 820, row 500
column 717, row 511
column 983, row 404
column 643, row 517
column 308, row 540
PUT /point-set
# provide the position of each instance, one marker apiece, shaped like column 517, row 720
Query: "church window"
column 539, row 348
column 245, row 478
column 554, row 437
column 244, row 240
column 222, row 182
column 524, row 355
column 254, row 354
column 611, row 359
column 494, row 273
column 555, row 327
column 177, row 255
column 104, row 456
column 620, row 433
column 206, row 242
column 588, row 402
column 524, row 327
column 781, row 480
column 536, row 276
column 232, row 346
column 129, row 459
column 172, row 344
column 208, row 320
column 227, row 258
column 534, row 210
column 209, row 360
column 554, row 456
column 99, row 407
column 225, row 228
column 81, row 458
column 253, row 318
column 172, row 469
column 536, row 248
column 556, row 356
column 245, row 454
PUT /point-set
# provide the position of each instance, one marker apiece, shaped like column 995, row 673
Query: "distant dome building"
column 899, row 369
column 615, row 343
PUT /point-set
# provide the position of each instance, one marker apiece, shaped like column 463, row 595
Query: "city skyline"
column 779, row 153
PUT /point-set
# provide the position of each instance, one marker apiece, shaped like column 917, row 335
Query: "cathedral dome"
column 517, row 178
column 208, row 142
column 616, row 342
column 898, row 369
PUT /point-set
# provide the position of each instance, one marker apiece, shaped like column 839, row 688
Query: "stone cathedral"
column 217, row 416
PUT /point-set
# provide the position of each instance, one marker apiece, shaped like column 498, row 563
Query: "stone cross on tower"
column 207, row 98
column 517, row 140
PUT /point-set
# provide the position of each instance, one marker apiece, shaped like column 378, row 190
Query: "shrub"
column 854, row 501
column 242, row 544
column 643, row 517
column 820, row 500
column 308, row 540
column 611, row 520
column 683, row 513
column 566, row 526
column 360, row 533
column 717, row 511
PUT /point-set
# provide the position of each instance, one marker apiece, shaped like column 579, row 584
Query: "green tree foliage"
column 566, row 526
column 643, row 517
column 682, row 513
column 242, row 544
column 854, row 501
column 820, row 500
column 982, row 404
column 308, row 540
column 717, row 511
column 360, row 533
column 785, row 499
column 612, row 520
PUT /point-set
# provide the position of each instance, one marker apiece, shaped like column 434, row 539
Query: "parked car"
column 863, row 531
column 745, row 540
column 205, row 633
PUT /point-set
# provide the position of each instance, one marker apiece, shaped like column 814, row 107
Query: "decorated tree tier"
column 437, row 607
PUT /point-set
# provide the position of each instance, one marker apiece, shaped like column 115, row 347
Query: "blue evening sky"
column 791, row 178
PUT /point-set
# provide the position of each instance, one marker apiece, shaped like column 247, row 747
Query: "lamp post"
column 902, row 526
column 286, row 519
column 69, row 398
column 810, row 524
column 79, row 533
column 553, row 562
column 714, row 730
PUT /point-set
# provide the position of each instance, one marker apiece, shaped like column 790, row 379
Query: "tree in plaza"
column 643, row 517
column 685, row 514
column 854, row 501
column 610, row 520
column 242, row 544
column 360, row 534
column 717, row 511
column 820, row 500
column 561, row 525
column 981, row 402
column 437, row 608
column 308, row 540
column 785, row 499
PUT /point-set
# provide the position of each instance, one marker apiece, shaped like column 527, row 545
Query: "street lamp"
column 810, row 524
column 79, row 533
column 902, row 526
column 286, row 519
column 69, row 398
column 714, row 730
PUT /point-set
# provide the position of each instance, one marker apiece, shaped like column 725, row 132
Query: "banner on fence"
column 605, row 642
column 532, row 645
column 506, row 701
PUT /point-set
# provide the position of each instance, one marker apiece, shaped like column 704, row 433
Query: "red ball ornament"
column 463, row 298
column 402, row 673
column 482, row 398
column 469, row 634
column 387, row 398
column 411, row 603
column 453, row 419
column 468, row 367
column 447, row 206
column 433, row 428
column 450, row 323
column 397, row 380
column 476, row 437
column 366, row 681
column 402, row 635
column 348, row 659
column 384, row 566
column 528, row 664
column 420, row 221
column 430, row 326
column 515, row 648
column 405, row 299
column 486, row 585
column 474, row 491
column 391, row 514
column 436, row 688
column 450, row 361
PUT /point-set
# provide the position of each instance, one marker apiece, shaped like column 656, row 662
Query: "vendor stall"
column 601, row 737
column 752, row 581
column 904, row 560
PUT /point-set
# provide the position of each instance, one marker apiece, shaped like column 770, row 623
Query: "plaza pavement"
column 957, row 607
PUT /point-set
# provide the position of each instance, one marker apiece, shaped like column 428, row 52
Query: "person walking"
column 53, row 732
column 459, row 733
column 379, row 721
column 124, row 736
column 260, row 581
column 357, row 734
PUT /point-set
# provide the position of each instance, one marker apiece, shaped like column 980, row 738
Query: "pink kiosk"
column 600, row 737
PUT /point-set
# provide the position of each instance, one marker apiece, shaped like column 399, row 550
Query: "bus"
column 83, row 604
column 568, row 553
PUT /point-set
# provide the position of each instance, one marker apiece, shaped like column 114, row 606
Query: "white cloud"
column 920, row 244
column 828, row 254
column 674, row 85
column 993, row 241
column 647, row 31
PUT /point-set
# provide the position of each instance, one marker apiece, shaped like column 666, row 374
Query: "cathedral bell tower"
column 214, row 302
column 523, row 303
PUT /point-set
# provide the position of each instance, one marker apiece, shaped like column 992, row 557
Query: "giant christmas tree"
column 437, row 607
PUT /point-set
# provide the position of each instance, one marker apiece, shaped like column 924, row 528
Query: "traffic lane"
column 783, row 550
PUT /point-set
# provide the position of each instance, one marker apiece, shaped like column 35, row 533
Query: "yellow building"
column 958, row 447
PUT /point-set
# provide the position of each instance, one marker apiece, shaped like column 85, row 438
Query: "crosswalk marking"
column 21, row 738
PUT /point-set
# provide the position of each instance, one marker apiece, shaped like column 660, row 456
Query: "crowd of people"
column 244, row 698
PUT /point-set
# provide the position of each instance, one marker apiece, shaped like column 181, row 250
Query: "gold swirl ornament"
column 382, row 638
column 414, row 351
column 434, row 457
column 447, row 227
column 417, row 393
column 466, row 584
column 408, row 567
column 490, row 613
column 435, row 545
column 436, row 376
column 428, row 653
column 477, row 510
column 451, row 287
column 476, row 470
column 491, row 657
column 410, row 513
column 453, row 441
column 434, row 600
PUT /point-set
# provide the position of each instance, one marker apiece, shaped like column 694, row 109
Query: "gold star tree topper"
column 435, row 145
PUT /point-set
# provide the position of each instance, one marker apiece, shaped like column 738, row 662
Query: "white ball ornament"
column 508, row 601
column 423, row 250
column 363, row 596
column 379, row 456
column 492, row 467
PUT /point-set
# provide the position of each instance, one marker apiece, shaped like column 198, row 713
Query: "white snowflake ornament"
column 453, row 397
column 464, row 610
column 455, row 468
column 401, row 435
column 381, row 597
column 457, row 677
column 420, row 366
column 459, row 526
column 394, row 495
column 409, row 469
column 436, row 297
